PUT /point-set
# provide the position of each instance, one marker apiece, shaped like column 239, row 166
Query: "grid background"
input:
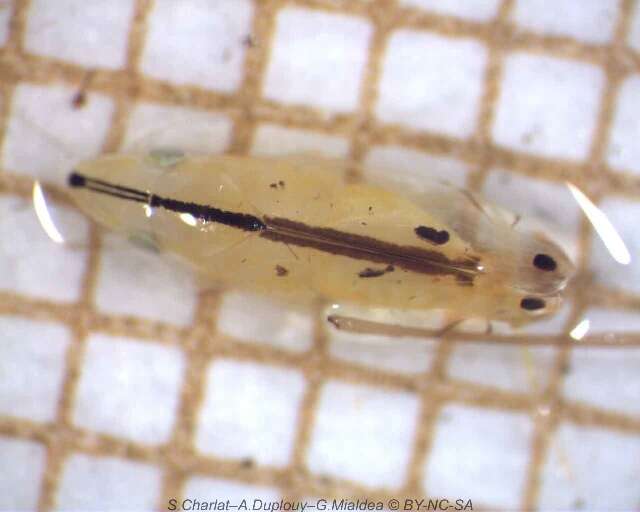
column 559, row 428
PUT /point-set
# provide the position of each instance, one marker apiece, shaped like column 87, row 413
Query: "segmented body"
column 295, row 227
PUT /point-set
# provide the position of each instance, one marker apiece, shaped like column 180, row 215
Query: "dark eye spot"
column 532, row 304
column 432, row 235
column 544, row 262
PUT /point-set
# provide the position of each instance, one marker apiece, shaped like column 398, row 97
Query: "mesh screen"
column 535, row 416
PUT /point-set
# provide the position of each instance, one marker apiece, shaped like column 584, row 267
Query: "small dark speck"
column 273, row 185
column 281, row 184
column 363, row 223
column 243, row 260
column 79, row 99
column 249, row 41
column 374, row 272
column 566, row 369
column 370, row 208
column 247, row 463
column 281, row 271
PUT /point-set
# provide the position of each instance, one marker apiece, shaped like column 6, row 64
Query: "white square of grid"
column 634, row 29
column 548, row 106
column 408, row 356
column 107, row 483
column 94, row 33
column 588, row 21
column 623, row 152
column 606, row 378
column 46, row 135
column 153, row 126
column 590, row 468
column 480, row 454
column 129, row 388
column 32, row 365
column 509, row 368
column 273, row 140
column 411, row 169
column 250, row 318
column 33, row 264
column 353, row 429
column 134, row 281
column 21, row 473
column 450, row 69
column 250, row 411
column 317, row 59
column 203, row 41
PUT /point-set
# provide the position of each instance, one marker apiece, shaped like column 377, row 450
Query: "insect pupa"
column 295, row 228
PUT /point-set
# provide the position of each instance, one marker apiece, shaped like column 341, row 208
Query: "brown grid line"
column 178, row 458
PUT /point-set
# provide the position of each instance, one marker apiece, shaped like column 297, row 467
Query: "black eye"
column 532, row 304
column 544, row 262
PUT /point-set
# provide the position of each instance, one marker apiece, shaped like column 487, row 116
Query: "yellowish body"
column 294, row 227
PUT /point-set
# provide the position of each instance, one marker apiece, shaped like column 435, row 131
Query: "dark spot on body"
column 281, row 271
column 544, row 262
column 532, row 304
column 375, row 272
column 273, row 185
column 413, row 259
column 432, row 235
column 281, row 184
column 363, row 223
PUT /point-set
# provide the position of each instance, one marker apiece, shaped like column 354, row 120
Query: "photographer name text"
column 322, row 505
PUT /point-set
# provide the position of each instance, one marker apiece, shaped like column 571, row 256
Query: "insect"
column 296, row 227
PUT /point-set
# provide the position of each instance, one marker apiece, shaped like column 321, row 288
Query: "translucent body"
column 498, row 259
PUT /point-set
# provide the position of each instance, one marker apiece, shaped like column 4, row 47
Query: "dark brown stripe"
column 295, row 233
column 415, row 259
